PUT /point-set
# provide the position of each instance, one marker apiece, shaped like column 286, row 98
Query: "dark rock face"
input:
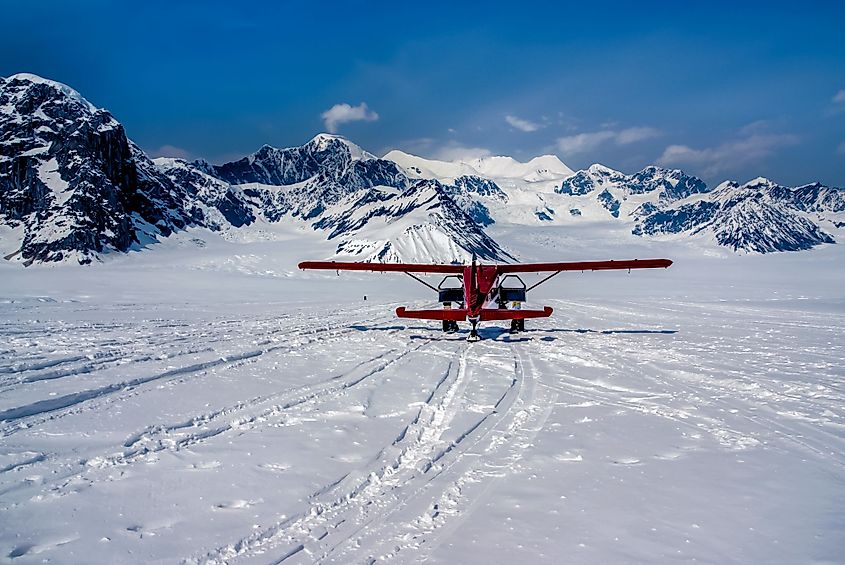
column 209, row 195
column 315, row 176
column 759, row 216
column 608, row 201
column 578, row 185
column 688, row 217
column 477, row 186
column 466, row 190
column 72, row 179
column 671, row 185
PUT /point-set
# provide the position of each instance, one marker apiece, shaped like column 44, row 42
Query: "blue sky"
column 718, row 90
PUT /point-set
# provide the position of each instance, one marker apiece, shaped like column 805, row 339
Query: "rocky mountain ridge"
column 74, row 187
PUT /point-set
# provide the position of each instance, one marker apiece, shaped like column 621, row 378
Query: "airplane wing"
column 584, row 266
column 382, row 267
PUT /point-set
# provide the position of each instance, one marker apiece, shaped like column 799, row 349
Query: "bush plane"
column 483, row 292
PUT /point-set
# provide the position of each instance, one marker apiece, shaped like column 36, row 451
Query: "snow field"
column 617, row 431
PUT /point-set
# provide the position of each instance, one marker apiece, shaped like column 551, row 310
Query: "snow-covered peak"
column 760, row 182
column 550, row 164
column 324, row 142
column 169, row 162
column 545, row 167
column 599, row 169
column 420, row 167
column 58, row 86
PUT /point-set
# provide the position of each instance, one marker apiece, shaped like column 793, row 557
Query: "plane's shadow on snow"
column 503, row 334
column 584, row 331
column 604, row 332
column 362, row 328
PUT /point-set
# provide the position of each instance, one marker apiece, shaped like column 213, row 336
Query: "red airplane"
column 482, row 286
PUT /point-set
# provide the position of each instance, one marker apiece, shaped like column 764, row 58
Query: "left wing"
column 585, row 266
column 382, row 267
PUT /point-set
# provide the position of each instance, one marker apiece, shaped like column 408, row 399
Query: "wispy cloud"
column 839, row 97
column 583, row 142
column 841, row 148
column 522, row 125
column 632, row 135
column 457, row 152
column 344, row 113
column 729, row 155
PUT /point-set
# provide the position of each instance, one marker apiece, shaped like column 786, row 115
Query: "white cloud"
column 522, row 125
column 582, row 142
column 839, row 97
column 172, row 151
column 457, row 152
column 632, row 135
column 343, row 113
column 726, row 156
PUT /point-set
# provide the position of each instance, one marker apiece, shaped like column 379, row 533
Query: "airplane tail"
column 487, row 314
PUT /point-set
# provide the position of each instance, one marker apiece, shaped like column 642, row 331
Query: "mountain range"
column 74, row 187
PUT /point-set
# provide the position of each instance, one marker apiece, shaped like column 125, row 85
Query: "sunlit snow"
column 204, row 401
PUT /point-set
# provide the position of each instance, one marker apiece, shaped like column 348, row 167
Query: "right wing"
column 585, row 266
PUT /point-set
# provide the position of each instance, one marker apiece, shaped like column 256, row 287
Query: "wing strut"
column 419, row 280
column 533, row 286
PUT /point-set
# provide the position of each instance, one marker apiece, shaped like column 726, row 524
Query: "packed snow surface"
column 204, row 401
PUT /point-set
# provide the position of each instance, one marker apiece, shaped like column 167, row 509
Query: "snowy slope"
column 205, row 402
column 421, row 223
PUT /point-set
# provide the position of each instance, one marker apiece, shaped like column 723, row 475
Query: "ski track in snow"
column 269, row 342
column 728, row 386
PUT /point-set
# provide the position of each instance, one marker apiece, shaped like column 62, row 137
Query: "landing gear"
column 473, row 332
column 450, row 326
column 517, row 326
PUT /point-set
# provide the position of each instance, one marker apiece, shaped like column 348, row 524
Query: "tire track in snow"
column 151, row 341
column 419, row 468
column 241, row 416
column 336, row 504
column 26, row 416
column 160, row 438
column 464, row 481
